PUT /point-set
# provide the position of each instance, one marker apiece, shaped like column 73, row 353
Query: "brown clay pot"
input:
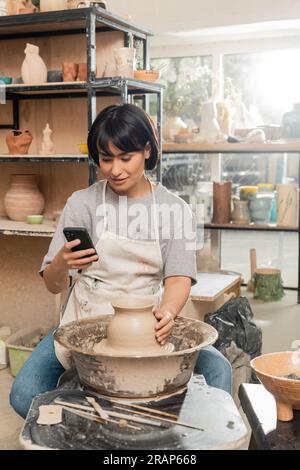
column 131, row 331
column 70, row 71
column 23, row 198
column 272, row 369
column 221, row 202
column 82, row 72
column 18, row 142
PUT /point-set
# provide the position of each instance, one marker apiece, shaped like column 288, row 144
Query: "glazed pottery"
column 287, row 205
column 240, row 213
column 260, row 208
column 221, row 202
column 54, row 76
column 34, row 70
column 18, row 142
column 3, row 8
column 23, row 198
column 70, row 71
column 5, row 80
column 267, row 284
column 132, row 330
column 273, row 370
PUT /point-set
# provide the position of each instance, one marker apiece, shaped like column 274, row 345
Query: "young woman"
column 144, row 237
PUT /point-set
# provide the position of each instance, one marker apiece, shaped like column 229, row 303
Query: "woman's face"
column 124, row 170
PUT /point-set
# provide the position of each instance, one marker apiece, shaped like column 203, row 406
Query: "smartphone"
column 81, row 233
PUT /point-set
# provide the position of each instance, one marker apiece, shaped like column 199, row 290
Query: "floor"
column 280, row 323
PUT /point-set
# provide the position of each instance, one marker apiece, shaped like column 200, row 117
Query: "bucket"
column 18, row 352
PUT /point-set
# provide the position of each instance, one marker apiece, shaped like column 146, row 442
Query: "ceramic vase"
column 23, row 198
column 240, row 213
column 222, row 202
column 70, row 71
column 173, row 126
column 34, row 70
column 287, row 205
column 3, row 8
column 209, row 128
column 18, row 142
column 260, row 209
column 132, row 329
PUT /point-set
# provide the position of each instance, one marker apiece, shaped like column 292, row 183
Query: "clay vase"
column 23, row 198
column 221, row 202
column 70, row 71
column 18, row 142
column 287, row 205
column 33, row 70
column 131, row 330
column 240, row 213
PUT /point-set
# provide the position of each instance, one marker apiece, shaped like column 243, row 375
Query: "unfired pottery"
column 272, row 369
column 134, row 376
column 125, row 61
column 53, row 5
column 34, row 70
column 18, row 142
column 70, row 71
column 3, row 8
column 132, row 330
column 47, row 144
column 23, row 198
column 221, row 202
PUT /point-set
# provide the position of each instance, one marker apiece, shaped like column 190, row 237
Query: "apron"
column 125, row 267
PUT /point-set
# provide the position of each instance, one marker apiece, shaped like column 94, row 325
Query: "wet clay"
column 131, row 331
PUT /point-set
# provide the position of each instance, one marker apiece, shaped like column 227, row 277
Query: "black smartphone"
column 81, row 233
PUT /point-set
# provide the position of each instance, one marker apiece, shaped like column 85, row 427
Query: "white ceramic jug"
column 34, row 70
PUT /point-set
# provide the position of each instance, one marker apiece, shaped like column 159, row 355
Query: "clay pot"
column 240, row 213
column 18, row 142
column 82, row 72
column 23, row 198
column 33, row 70
column 131, row 330
column 70, row 71
column 221, row 202
column 272, row 370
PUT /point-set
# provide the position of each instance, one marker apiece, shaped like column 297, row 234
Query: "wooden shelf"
column 10, row 227
column 280, row 146
column 252, row 226
column 44, row 158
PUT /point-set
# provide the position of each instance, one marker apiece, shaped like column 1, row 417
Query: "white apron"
column 125, row 267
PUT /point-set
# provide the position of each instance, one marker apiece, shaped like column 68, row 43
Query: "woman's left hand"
column 165, row 324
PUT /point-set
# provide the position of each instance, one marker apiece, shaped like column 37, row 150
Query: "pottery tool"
column 144, row 408
column 253, row 265
column 113, row 413
column 96, row 418
column 177, row 423
column 101, row 412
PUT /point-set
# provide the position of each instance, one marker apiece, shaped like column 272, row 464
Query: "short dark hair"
column 127, row 127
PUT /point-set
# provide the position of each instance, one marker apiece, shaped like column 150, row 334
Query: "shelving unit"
column 216, row 150
column 69, row 35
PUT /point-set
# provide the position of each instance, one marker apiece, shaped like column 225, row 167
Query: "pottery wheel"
column 104, row 348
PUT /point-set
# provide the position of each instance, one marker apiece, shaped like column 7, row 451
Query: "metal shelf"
column 65, row 22
column 280, row 146
column 251, row 227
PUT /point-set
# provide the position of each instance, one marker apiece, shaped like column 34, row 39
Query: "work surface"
column 211, row 285
column 268, row 433
column 212, row 411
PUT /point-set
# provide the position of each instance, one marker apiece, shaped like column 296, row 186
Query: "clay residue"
column 291, row 377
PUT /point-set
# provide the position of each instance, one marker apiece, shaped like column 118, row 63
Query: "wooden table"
column 268, row 433
column 210, row 293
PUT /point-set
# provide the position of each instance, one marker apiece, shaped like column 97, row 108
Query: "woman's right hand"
column 81, row 259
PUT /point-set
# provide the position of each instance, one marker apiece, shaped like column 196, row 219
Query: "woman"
column 143, row 236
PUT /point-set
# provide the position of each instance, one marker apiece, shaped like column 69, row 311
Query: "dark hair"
column 128, row 128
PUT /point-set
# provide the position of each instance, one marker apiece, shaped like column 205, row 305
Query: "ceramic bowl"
column 83, row 148
column 35, row 219
column 272, row 370
column 147, row 75
column 5, row 80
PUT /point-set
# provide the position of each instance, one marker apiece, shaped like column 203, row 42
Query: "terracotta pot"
column 222, row 202
column 70, row 71
column 131, row 331
column 18, row 142
column 82, row 72
column 273, row 370
column 23, row 198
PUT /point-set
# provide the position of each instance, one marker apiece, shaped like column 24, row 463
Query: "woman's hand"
column 81, row 259
column 165, row 324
